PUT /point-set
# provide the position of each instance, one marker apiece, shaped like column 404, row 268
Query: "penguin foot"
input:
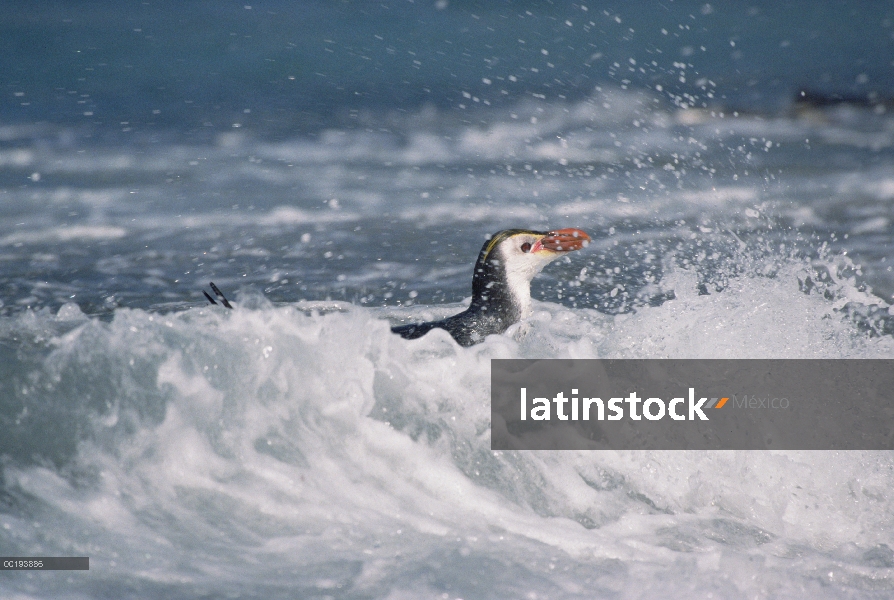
column 219, row 294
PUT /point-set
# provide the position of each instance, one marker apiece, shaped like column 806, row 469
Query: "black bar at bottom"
column 44, row 563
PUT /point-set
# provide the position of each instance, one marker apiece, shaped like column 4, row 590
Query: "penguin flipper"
column 413, row 330
column 454, row 325
column 219, row 294
column 223, row 299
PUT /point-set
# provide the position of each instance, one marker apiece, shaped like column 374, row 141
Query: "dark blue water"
column 298, row 66
column 335, row 168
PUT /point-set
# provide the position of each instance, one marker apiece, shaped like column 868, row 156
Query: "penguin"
column 501, row 283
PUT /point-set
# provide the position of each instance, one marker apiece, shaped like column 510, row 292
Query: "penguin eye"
column 526, row 247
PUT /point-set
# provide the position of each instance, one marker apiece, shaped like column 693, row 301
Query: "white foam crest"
column 847, row 136
column 877, row 184
column 65, row 234
column 287, row 436
column 17, row 158
column 438, row 212
column 270, row 418
column 562, row 133
column 290, row 215
column 275, row 217
column 61, row 161
column 754, row 317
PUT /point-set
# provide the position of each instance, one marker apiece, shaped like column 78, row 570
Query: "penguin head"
column 509, row 261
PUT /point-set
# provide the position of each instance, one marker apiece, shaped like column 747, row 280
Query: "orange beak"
column 563, row 240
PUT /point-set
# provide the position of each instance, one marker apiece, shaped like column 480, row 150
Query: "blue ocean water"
column 334, row 167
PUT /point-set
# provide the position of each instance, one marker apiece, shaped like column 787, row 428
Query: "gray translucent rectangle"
column 770, row 404
column 44, row 563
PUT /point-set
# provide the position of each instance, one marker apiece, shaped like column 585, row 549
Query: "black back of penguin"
column 493, row 308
